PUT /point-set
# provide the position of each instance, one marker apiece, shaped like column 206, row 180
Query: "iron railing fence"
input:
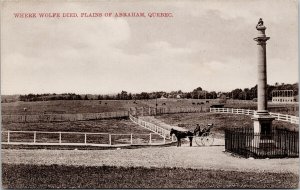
column 277, row 144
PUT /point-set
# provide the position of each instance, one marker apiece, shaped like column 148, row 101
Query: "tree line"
column 197, row 93
column 250, row 94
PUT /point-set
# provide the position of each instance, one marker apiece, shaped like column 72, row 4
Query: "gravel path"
column 187, row 157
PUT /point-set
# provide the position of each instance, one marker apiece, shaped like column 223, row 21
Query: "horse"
column 182, row 134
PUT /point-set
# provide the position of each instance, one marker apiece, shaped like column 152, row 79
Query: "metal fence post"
column 84, row 138
column 164, row 139
column 131, row 139
column 150, row 139
column 109, row 139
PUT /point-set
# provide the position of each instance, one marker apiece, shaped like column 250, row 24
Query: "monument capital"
column 261, row 38
column 260, row 25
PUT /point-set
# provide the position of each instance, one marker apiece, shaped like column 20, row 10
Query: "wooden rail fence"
column 151, row 111
column 152, row 127
column 278, row 116
column 63, row 117
column 78, row 138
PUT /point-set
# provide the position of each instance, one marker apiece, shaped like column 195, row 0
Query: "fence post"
column 109, row 139
column 34, row 136
column 131, row 138
column 164, row 139
column 59, row 137
column 8, row 137
column 150, row 139
column 84, row 138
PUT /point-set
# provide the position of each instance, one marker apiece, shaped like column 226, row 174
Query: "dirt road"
column 212, row 157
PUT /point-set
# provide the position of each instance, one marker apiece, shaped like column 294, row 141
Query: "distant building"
column 296, row 98
column 282, row 96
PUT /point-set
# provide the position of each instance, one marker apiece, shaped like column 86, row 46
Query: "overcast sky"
column 206, row 43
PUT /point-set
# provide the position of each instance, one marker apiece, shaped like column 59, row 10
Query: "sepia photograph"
column 160, row 94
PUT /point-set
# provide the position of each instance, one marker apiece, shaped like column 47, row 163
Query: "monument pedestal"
column 262, row 130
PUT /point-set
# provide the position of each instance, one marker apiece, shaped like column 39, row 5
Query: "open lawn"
column 19, row 176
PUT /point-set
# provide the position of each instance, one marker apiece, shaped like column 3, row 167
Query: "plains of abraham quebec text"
column 95, row 15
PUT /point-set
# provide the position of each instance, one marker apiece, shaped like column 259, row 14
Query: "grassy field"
column 94, row 126
column 221, row 121
column 57, row 176
column 93, row 106
column 112, row 126
column 67, row 106
column 96, row 106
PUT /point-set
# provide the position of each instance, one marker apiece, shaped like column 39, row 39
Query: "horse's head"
column 172, row 132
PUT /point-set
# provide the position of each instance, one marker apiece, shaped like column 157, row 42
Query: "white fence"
column 78, row 138
column 152, row 127
column 278, row 116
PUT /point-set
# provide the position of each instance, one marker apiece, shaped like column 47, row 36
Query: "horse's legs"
column 191, row 141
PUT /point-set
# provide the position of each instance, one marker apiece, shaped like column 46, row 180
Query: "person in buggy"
column 199, row 132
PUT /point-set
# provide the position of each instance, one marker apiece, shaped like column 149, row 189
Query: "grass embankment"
column 56, row 176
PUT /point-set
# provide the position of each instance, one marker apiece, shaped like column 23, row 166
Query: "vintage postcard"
column 149, row 94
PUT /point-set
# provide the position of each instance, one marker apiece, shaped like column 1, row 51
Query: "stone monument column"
column 262, row 69
column 262, row 118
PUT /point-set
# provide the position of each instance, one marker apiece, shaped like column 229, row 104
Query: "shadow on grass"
column 57, row 176
column 67, row 147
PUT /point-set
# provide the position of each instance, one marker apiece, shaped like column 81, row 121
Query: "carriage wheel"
column 207, row 139
column 198, row 141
